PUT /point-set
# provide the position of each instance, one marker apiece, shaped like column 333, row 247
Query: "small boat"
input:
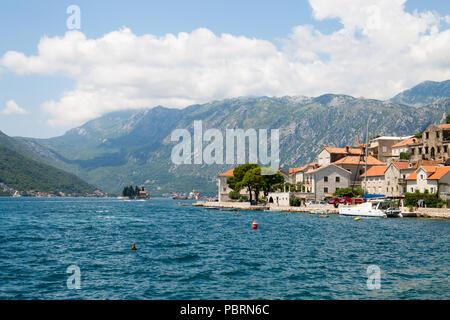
column 393, row 213
column 372, row 208
column 179, row 198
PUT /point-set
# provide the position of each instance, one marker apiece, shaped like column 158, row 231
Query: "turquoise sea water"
column 195, row 253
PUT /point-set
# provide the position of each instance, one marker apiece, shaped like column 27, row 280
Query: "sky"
column 59, row 69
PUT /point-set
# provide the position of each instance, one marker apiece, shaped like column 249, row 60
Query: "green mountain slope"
column 134, row 147
column 424, row 93
column 23, row 174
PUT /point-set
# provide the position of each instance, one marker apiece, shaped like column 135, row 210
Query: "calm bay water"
column 195, row 253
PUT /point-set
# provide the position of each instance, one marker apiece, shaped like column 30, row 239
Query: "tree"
column 271, row 182
column 349, row 192
column 404, row 156
column 234, row 195
column 235, row 182
column 253, row 182
column 447, row 119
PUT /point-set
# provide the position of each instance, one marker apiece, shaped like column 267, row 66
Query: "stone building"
column 433, row 144
column 296, row 175
column 381, row 147
column 330, row 154
column 395, row 178
column 373, row 181
column 325, row 180
column 403, row 147
column 356, row 165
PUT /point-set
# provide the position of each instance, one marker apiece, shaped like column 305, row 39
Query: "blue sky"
column 24, row 23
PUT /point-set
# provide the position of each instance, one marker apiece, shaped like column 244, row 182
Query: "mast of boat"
column 367, row 151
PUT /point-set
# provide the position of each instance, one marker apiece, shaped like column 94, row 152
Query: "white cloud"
column 379, row 51
column 13, row 108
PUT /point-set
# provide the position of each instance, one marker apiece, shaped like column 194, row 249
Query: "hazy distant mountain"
column 24, row 174
column 424, row 93
column 133, row 147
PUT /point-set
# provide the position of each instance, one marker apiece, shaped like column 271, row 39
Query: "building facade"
column 356, row 165
column 381, row 147
column 373, row 181
column 403, row 147
column 433, row 144
column 330, row 154
column 325, row 180
column 395, row 178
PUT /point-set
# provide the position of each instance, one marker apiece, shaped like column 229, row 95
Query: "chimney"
column 347, row 149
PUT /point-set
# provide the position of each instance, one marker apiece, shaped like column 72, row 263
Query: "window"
column 426, row 150
column 384, row 149
column 420, row 150
column 338, row 179
column 438, row 149
column 412, row 189
column 437, row 134
column 325, row 179
column 325, row 190
column 427, row 135
column 431, row 190
column 412, row 150
column 421, row 177
column 445, row 148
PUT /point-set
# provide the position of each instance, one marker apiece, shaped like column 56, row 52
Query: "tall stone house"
column 433, row 144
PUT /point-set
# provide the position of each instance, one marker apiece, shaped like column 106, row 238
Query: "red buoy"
column 255, row 225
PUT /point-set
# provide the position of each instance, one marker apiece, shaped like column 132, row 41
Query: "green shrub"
column 234, row 195
column 431, row 200
column 349, row 192
column 294, row 202
column 243, row 197
column 403, row 156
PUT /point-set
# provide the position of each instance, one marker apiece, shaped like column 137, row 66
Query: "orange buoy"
column 255, row 225
column 237, row 213
column 133, row 246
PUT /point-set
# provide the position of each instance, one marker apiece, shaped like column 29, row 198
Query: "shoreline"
column 430, row 213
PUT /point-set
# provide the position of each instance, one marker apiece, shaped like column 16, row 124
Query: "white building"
column 330, row 154
column 430, row 178
column 403, row 147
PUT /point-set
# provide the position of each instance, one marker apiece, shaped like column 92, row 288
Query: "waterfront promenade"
column 437, row 213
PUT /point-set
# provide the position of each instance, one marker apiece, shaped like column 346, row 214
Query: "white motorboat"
column 373, row 208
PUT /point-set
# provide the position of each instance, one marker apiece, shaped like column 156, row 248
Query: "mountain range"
column 134, row 147
column 29, row 177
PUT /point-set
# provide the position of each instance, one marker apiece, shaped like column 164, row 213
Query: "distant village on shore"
column 395, row 166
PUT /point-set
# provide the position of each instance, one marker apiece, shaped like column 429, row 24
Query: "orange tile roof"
column 425, row 163
column 412, row 176
column 342, row 150
column 326, row 166
column 406, row 142
column 375, row 171
column 444, row 126
column 439, row 173
column 428, row 169
column 401, row 165
column 229, row 173
column 371, row 161
column 302, row 168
